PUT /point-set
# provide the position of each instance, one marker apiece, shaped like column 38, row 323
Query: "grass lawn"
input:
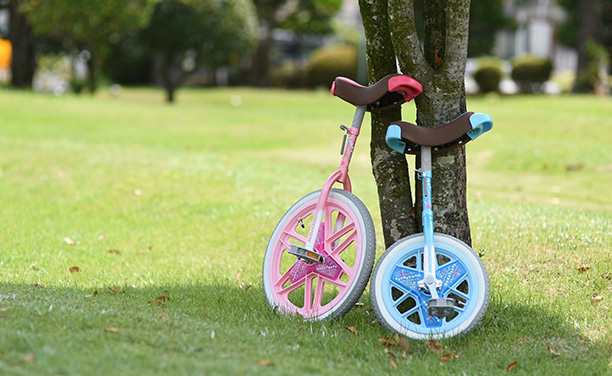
column 132, row 235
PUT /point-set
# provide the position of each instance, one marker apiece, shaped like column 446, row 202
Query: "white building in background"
column 536, row 33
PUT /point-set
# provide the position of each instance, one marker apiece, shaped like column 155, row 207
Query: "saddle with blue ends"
column 407, row 138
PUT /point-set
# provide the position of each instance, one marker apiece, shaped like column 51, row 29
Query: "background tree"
column 300, row 16
column 439, row 65
column 588, row 29
column 24, row 49
column 486, row 18
column 88, row 23
column 191, row 33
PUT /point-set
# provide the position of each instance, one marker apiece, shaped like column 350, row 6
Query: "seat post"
column 426, row 158
column 429, row 260
column 358, row 117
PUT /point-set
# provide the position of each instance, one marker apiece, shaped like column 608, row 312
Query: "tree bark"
column 259, row 72
column 440, row 67
column 590, row 26
column 23, row 63
column 92, row 72
column 395, row 195
column 172, row 74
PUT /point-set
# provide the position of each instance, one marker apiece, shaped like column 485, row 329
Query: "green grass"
column 170, row 209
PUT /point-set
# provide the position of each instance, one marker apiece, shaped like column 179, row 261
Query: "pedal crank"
column 306, row 254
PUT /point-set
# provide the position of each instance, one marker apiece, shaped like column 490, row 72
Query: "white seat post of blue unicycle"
column 429, row 282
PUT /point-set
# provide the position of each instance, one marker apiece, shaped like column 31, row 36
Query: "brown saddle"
column 445, row 137
column 391, row 91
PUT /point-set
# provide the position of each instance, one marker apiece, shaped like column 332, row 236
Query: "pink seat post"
column 339, row 176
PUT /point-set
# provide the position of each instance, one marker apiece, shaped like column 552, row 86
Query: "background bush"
column 489, row 73
column 288, row 75
column 530, row 72
column 329, row 62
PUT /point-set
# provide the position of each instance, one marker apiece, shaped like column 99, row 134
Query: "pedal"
column 441, row 307
column 306, row 255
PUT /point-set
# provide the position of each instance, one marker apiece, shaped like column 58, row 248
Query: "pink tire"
column 346, row 239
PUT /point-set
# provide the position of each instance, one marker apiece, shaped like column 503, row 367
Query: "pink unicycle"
column 321, row 253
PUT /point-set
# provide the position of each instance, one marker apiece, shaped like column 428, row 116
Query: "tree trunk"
column 23, row 63
column 440, row 67
column 172, row 75
column 92, row 72
column 590, row 25
column 259, row 73
column 395, row 195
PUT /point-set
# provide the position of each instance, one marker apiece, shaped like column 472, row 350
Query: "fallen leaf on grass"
column 387, row 341
column 159, row 300
column 597, row 298
column 161, row 316
column 117, row 289
column 434, row 346
column 111, row 330
column 403, row 342
column 550, row 349
column 512, row 366
column 392, row 358
column 69, row 241
column 246, row 287
column 38, row 285
column 74, row 269
column 583, row 269
column 446, row 357
column 114, row 251
column 30, row 358
column 102, row 237
column 352, row 329
column 266, row 363
column 92, row 294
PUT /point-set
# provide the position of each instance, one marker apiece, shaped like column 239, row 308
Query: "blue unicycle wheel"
column 403, row 308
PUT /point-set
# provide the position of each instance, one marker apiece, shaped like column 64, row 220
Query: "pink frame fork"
column 340, row 176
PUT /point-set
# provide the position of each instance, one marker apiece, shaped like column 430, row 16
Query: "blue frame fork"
column 439, row 307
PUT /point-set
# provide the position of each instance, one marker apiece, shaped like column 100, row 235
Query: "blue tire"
column 401, row 307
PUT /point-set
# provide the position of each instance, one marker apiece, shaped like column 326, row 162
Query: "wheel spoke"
column 318, row 296
column 340, row 233
column 286, row 244
column 295, row 235
column 338, row 283
column 450, row 273
column 412, row 311
column 294, row 286
column 345, row 244
column 308, row 294
column 345, row 268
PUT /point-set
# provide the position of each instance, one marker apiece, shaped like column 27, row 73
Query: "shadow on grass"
column 230, row 329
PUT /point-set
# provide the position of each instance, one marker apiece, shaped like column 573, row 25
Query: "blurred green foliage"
column 530, row 72
column 489, row 73
column 327, row 63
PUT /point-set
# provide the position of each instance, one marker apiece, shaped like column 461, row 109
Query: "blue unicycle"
column 431, row 285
